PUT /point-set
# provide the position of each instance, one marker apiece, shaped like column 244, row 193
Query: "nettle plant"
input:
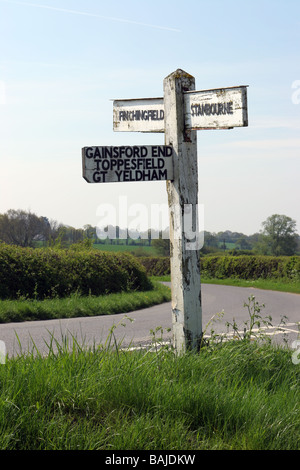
column 257, row 325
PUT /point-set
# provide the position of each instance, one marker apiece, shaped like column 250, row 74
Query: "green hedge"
column 47, row 273
column 240, row 267
column 156, row 266
column 251, row 267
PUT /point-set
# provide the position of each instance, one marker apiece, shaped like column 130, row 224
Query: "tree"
column 162, row 246
column 243, row 243
column 90, row 232
column 210, row 240
column 19, row 227
column 279, row 235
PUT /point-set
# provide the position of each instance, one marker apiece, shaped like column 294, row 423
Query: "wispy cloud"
column 93, row 15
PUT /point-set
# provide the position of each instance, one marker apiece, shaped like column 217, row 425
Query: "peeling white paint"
column 185, row 264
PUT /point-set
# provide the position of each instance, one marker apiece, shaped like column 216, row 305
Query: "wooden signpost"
column 179, row 114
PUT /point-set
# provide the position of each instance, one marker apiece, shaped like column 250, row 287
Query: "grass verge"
column 82, row 306
column 268, row 284
column 236, row 396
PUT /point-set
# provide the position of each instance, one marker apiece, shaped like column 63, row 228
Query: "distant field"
column 229, row 245
column 143, row 249
column 134, row 249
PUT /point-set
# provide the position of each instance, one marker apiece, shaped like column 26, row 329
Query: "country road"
column 94, row 330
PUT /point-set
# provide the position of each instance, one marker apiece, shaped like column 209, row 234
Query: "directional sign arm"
column 223, row 108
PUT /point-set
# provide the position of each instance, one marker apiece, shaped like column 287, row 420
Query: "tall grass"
column 236, row 396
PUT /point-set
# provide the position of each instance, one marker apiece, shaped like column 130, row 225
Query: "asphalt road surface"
column 21, row 337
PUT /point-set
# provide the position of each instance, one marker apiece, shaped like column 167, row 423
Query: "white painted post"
column 183, row 190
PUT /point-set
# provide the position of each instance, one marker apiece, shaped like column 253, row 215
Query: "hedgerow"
column 251, row 267
column 48, row 273
column 240, row 267
column 156, row 266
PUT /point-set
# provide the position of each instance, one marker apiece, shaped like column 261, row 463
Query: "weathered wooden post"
column 183, row 191
column 179, row 114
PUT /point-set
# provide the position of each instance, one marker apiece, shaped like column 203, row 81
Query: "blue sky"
column 62, row 62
